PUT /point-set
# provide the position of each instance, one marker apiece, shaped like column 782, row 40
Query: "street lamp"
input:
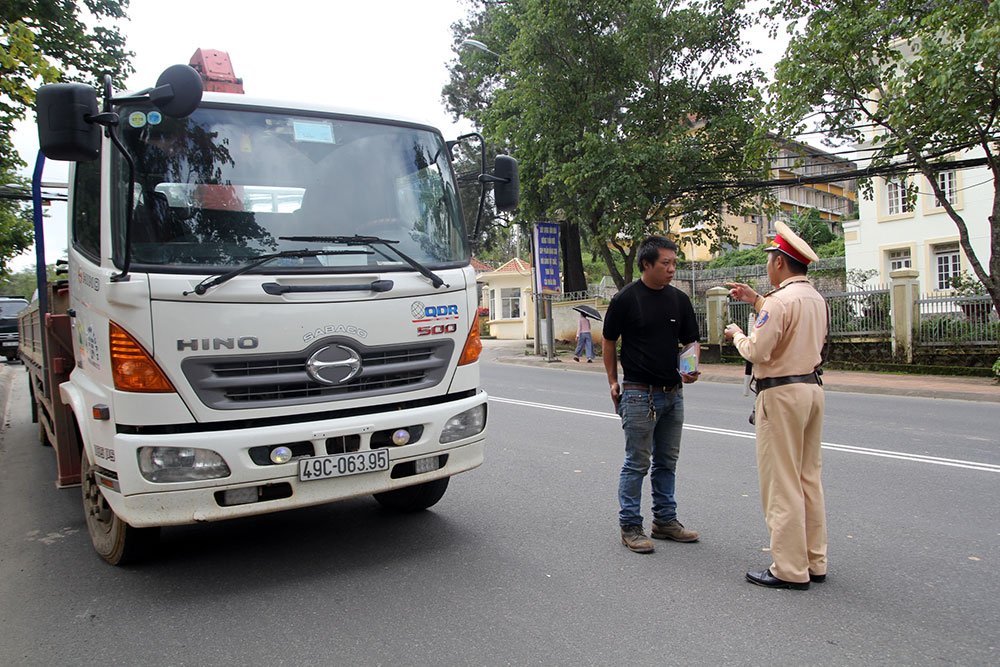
column 477, row 45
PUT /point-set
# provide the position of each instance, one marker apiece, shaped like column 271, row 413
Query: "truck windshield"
column 223, row 186
column 11, row 307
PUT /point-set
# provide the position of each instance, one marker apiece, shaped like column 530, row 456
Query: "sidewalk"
column 928, row 386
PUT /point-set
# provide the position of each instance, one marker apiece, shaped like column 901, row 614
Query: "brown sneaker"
column 673, row 530
column 636, row 540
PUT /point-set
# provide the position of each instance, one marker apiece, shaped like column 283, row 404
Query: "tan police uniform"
column 787, row 340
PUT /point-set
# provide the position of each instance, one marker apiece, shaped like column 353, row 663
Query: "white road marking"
column 850, row 449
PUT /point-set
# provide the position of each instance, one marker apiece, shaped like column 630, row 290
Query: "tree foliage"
column 915, row 82
column 615, row 109
column 811, row 228
column 25, row 282
column 46, row 41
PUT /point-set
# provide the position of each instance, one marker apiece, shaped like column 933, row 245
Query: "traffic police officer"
column 785, row 347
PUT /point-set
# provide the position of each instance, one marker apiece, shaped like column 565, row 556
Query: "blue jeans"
column 588, row 339
column 650, row 439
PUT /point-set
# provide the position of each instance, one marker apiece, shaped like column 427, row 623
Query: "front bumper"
column 142, row 503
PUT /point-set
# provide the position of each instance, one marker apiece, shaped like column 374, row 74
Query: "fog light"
column 428, row 464
column 401, row 437
column 464, row 424
column 180, row 464
column 281, row 454
column 242, row 496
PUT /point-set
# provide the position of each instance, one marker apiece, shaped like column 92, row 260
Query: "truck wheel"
column 413, row 498
column 114, row 540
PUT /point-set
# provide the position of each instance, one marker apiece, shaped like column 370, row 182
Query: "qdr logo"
column 422, row 313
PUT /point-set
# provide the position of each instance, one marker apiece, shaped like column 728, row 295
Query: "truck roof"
column 292, row 105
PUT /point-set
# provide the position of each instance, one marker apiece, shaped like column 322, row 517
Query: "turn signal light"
column 131, row 366
column 473, row 345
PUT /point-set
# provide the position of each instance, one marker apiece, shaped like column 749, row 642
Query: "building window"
column 946, row 181
column 510, row 299
column 899, row 259
column 895, row 195
column 948, row 262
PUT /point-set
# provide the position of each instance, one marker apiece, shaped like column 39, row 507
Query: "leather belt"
column 647, row 387
column 808, row 378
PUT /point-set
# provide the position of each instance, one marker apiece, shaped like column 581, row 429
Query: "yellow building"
column 833, row 200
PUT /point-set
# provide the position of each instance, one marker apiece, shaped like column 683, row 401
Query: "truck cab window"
column 220, row 187
column 86, row 220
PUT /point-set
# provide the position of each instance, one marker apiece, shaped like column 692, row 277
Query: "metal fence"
column 944, row 321
column 592, row 292
column 855, row 313
column 738, row 312
column 863, row 312
column 701, row 316
column 947, row 321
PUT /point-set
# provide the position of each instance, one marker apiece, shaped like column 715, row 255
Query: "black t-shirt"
column 650, row 323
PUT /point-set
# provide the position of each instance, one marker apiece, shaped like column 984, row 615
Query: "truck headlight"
column 464, row 424
column 180, row 464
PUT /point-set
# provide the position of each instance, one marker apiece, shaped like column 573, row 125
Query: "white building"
column 891, row 234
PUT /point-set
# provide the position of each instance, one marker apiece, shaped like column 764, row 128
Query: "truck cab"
column 270, row 305
column 10, row 306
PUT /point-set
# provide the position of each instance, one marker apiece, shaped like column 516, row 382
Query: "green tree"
column 811, row 227
column 45, row 41
column 747, row 257
column 915, row 82
column 617, row 110
column 24, row 282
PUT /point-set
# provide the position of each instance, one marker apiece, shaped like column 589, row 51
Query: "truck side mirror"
column 178, row 91
column 63, row 130
column 506, row 185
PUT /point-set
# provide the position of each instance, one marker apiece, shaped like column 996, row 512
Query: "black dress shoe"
column 768, row 580
column 817, row 578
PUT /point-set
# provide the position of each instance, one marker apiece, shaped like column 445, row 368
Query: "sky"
column 378, row 55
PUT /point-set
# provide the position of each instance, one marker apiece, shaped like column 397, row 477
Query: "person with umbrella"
column 584, row 338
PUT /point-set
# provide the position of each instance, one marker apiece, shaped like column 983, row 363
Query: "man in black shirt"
column 651, row 317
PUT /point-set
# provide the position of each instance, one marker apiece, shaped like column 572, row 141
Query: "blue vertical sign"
column 547, row 280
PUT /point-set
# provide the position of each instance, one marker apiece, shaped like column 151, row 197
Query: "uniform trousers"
column 789, row 462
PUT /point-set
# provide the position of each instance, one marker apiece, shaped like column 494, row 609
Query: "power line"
column 867, row 172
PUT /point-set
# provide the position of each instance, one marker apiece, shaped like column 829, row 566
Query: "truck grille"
column 241, row 381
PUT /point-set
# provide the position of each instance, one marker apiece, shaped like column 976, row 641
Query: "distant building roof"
column 480, row 267
column 515, row 266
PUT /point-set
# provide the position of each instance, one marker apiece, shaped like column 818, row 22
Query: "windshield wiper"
column 372, row 241
column 210, row 282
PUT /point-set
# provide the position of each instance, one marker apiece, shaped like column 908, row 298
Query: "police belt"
column 809, row 378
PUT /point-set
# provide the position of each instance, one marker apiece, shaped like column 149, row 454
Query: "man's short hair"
column 794, row 266
column 649, row 250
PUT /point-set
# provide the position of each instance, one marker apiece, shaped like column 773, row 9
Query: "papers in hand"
column 687, row 361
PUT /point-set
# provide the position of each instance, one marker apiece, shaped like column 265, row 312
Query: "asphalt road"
column 520, row 563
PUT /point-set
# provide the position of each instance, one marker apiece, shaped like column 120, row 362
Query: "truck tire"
column 114, row 540
column 43, row 437
column 413, row 498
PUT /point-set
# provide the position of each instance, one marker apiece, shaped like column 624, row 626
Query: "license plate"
column 341, row 465
column 10, row 343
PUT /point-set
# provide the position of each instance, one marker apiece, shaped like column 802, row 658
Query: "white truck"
column 267, row 306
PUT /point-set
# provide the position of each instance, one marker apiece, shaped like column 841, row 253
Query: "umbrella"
column 588, row 311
